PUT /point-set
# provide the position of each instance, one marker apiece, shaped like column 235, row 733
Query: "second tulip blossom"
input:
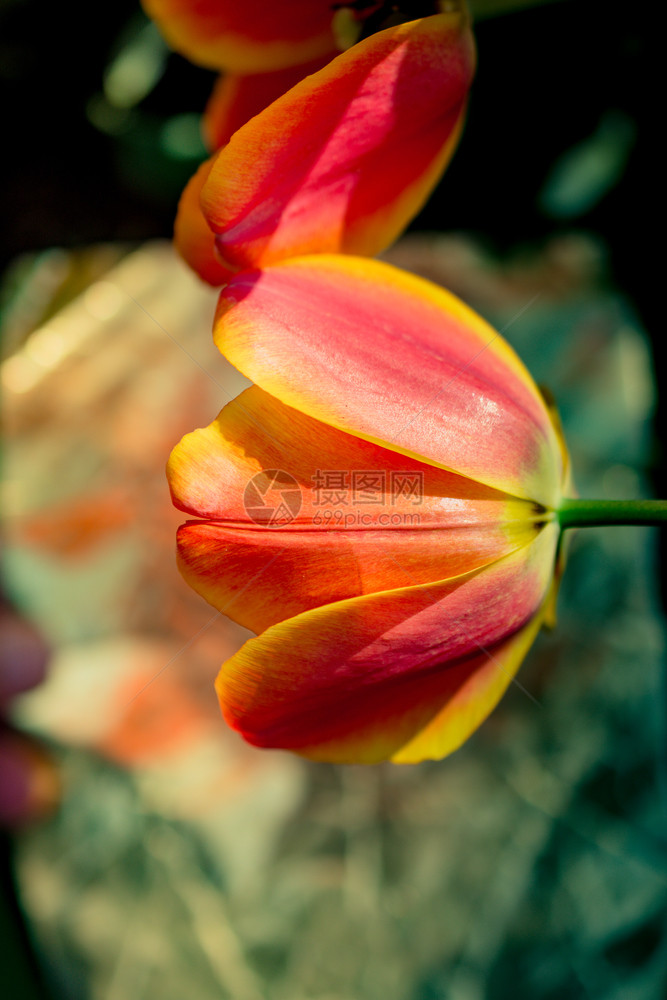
column 247, row 37
column 380, row 507
column 345, row 159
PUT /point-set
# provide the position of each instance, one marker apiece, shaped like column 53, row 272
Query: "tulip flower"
column 249, row 37
column 345, row 158
column 381, row 507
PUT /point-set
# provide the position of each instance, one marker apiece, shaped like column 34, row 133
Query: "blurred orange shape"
column 80, row 524
column 156, row 717
column 247, row 37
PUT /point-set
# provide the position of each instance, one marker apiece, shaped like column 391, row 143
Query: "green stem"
column 587, row 513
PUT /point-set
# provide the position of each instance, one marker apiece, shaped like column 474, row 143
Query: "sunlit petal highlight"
column 389, row 357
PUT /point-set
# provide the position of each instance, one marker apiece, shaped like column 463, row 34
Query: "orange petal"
column 389, row 357
column 359, row 518
column 192, row 237
column 236, row 98
column 246, row 37
column 401, row 675
column 347, row 157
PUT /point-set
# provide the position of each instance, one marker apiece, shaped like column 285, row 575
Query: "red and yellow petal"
column 259, row 577
column 402, row 675
column 374, row 351
column 245, row 37
column 343, row 160
column 363, row 519
column 192, row 236
column 471, row 696
column 209, row 469
column 237, row 98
